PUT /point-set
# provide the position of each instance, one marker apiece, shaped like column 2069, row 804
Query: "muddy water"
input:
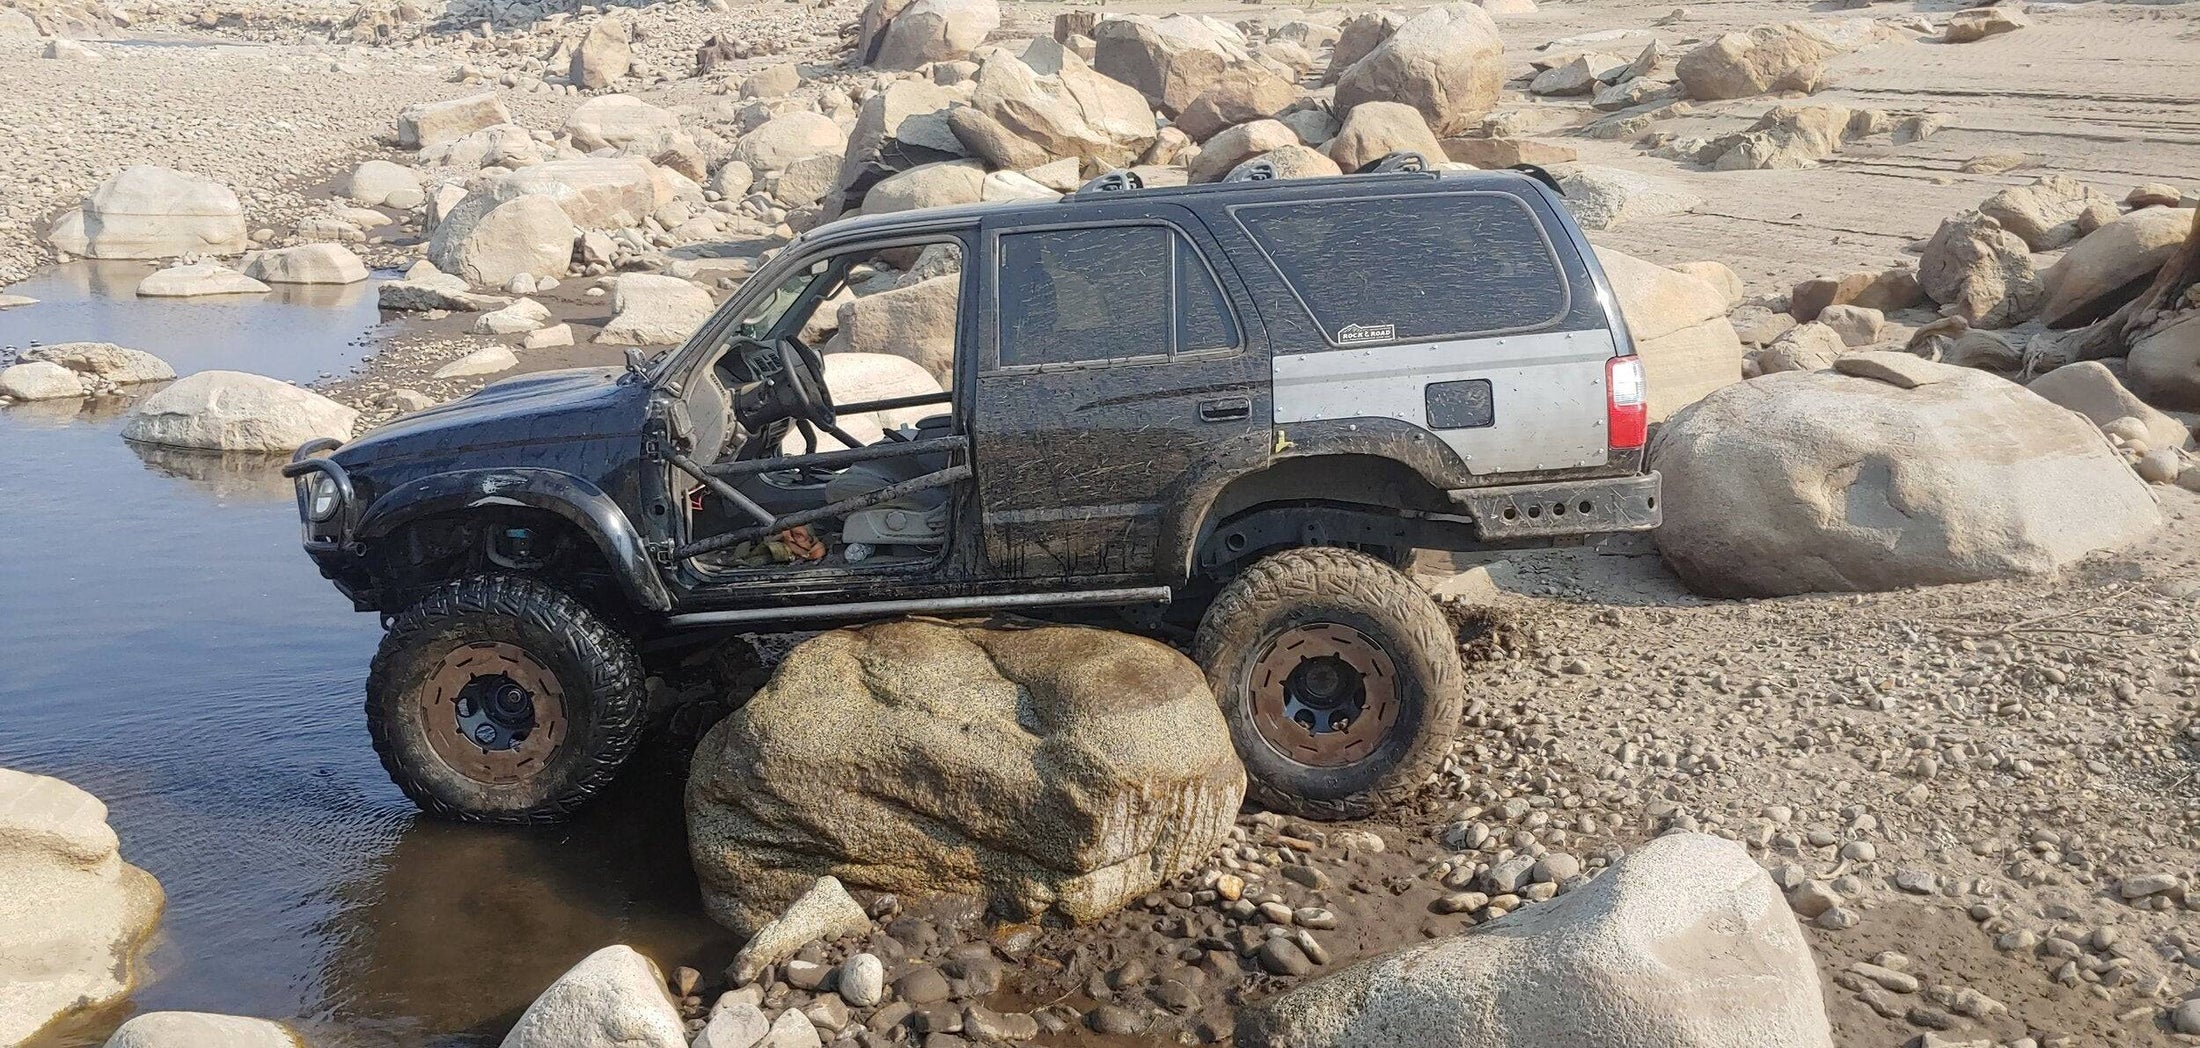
column 168, row 647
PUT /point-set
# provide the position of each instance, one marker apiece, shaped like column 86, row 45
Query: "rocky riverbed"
column 1858, row 234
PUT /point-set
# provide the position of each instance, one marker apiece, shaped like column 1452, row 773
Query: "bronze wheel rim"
column 1323, row 694
column 492, row 713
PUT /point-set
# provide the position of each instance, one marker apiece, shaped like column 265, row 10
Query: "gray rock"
column 2091, row 389
column 146, row 211
column 1686, row 937
column 734, row 1023
column 1281, row 956
column 823, row 913
column 652, row 310
column 429, row 124
column 234, row 411
column 614, row 998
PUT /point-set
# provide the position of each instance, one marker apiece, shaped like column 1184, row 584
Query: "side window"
column 1070, row 296
column 1380, row 270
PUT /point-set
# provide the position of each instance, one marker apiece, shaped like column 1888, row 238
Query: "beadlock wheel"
column 1339, row 677
column 500, row 699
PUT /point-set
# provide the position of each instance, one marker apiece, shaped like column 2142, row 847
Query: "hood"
column 545, row 407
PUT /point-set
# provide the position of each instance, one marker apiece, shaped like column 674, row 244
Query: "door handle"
column 1225, row 409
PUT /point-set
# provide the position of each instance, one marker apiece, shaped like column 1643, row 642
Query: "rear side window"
column 1427, row 266
column 1107, row 293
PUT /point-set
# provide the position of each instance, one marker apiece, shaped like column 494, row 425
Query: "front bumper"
column 1570, row 507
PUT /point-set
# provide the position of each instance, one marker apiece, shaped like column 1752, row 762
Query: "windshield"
column 762, row 317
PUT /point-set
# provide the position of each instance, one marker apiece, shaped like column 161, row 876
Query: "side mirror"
column 635, row 364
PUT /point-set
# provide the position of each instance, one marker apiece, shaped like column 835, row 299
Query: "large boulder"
column 2165, row 365
column 2091, row 389
column 1290, row 162
column 197, row 280
column 153, row 212
column 2112, row 265
column 1055, row 769
column 306, row 264
column 1356, row 37
column 927, row 185
column 1981, row 271
column 1784, row 57
column 527, row 234
column 39, row 380
column 900, row 126
column 1679, row 324
column 104, row 362
column 613, row 121
column 652, row 310
column 2045, row 213
column 1030, row 118
column 1226, row 151
column 1978, row 23
column 1447, row 62
column 1247, row 93
column 1169, row 60
column 379, row 183
column 614, row 998
column 234, row 411
column 1373, row 130
column 1686, row 943
column 202, row 1030
column 73, row 915
column 934, row 31
column 595, row 193
column 498, row 145
column 1818, row 480
column 915, row 322
column 784, row 139
column 425, row 125
column 603, row 56
column 1608, row 197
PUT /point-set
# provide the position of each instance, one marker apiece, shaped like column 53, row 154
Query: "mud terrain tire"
column 584, row 706
column 1335, row 614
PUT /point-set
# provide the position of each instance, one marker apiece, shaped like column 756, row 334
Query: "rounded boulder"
column 1056, row 769
column 1809, row 481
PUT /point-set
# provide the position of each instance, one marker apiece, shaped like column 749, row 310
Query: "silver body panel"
column 1547, row 394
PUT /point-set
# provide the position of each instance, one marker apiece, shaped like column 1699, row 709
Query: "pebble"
column 862, row 980
column 1281, row 956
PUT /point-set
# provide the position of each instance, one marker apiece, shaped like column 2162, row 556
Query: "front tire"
column 1339, row 677
column 499, row 699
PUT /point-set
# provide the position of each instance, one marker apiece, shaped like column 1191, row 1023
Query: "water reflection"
column 457, row 928
column 224, row 476
column 180, row 658
column 295, row 332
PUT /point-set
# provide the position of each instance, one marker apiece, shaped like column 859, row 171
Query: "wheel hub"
column 1323, row 694
column 492, row 712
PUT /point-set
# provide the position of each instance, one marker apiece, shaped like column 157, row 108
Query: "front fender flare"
column 595, row 513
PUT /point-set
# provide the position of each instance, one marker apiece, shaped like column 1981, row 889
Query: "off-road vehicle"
column 1232, row 411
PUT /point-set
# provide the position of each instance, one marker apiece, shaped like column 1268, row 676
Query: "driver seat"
column 915, row 519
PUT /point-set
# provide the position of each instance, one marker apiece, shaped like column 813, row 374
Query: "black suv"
column 1228, row 413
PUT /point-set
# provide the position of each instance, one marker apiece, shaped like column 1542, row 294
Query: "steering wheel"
column 803, row 372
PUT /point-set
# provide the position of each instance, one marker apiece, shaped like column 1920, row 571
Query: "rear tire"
column 499, row 699
column 1339, row 677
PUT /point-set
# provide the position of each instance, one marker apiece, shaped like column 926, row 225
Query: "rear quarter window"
column 1419, row 267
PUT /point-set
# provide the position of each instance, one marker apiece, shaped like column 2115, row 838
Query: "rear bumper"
column 1570, row 507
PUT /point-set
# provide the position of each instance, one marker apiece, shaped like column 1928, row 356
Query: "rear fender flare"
column 1392, row 439
column 595, row 513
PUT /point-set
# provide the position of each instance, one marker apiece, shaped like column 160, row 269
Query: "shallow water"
column 170, row 649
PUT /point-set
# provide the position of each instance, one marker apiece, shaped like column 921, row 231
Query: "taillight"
column 1627, row 403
